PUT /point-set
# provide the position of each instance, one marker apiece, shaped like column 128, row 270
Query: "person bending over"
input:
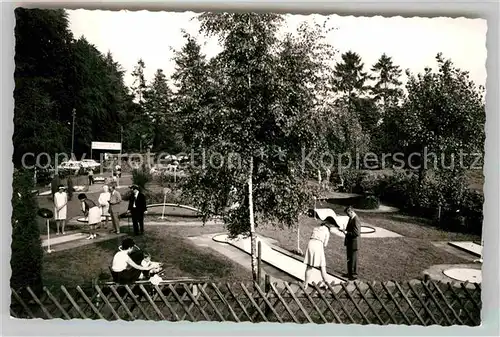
column 123, row 269
column 315, row 253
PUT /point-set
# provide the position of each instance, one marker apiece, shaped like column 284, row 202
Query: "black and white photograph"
column 258, row 167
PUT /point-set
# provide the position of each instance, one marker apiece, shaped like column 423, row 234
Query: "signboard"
column 106, row 146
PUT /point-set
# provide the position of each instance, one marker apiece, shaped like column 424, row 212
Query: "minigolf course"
column 278, row 260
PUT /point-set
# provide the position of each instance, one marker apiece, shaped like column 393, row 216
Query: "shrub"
column 472, row 210
column 167, row 178
column 427, row 195
column 71, row 188
column 27, row 253
column 445, row 189
column 54, row 184
column 352, row 179
column 396, row 189
column 173, row 196
column 126, row 196
column 368, row 202
column 141, row 177
column 369, row 184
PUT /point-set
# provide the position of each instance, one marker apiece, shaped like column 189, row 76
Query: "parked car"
column 44, row 175
column 90, row 163
column 70, row 166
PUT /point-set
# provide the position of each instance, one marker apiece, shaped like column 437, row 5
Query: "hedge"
column 27, row 252
column 403, row 190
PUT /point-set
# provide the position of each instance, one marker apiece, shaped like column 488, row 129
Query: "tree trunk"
column 253, row 238
column 422, row 172
column 298, row 237
column 299, row 251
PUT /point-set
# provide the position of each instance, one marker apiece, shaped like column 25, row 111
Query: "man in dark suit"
column 137, row 208
column 352, row 234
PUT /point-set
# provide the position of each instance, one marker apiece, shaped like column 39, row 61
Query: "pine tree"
column 386, row 89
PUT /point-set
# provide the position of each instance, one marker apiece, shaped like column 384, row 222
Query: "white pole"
column 482, row 248
column 48, row 237
column 298, row 238
column 164, row 202
column 314, row 207
column 73, row 136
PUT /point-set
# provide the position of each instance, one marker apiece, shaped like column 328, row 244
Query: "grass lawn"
column 379, row 259
column 166, row 244
column 415, row 228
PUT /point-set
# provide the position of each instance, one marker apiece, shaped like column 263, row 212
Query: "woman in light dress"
column 60, row 208
column 104, row 204
column 315, row 253
column 92, row 212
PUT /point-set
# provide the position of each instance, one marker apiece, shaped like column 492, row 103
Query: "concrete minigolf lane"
column 468, row 246
column 281, row 261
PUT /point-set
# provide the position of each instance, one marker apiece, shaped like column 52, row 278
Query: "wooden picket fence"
column 412, row 303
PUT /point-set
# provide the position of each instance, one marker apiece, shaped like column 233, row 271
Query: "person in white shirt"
column 91, row 176
column 315, row 253
column 104, row 203
column 155, row 267
column 60, row 208
column 118, row 170
column 123, row 269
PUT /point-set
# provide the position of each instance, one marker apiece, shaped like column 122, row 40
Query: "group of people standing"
column 315, row 253
column 106, row 206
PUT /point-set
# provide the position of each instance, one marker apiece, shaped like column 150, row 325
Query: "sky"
column 411, row 42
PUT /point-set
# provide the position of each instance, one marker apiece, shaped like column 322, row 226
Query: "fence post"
column 259, row 262
column 267, row 289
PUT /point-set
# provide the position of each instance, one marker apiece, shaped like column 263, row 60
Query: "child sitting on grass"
column 154, row 267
